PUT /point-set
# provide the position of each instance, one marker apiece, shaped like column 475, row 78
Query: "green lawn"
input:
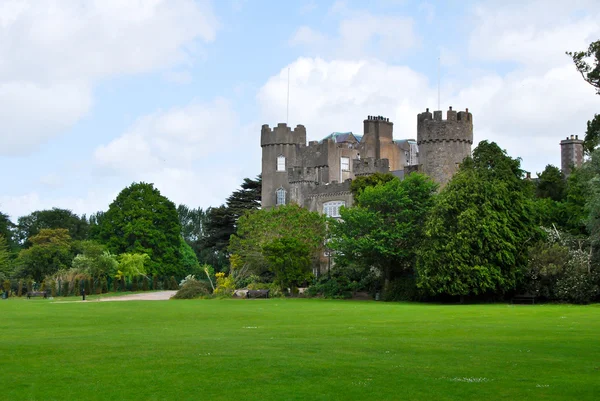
column 296, row 350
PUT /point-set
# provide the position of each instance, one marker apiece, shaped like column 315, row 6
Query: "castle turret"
column 443, row 144
column 571, row 154
column 279, row 153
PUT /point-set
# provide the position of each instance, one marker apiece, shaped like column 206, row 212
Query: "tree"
column 551, row 184
column 588, row 64
column 141, row 220
column 30, row 225
column 7, row 230
column 49, row 252
column 261, row 227
column 358, row 185
column 192, row 223
column 477, row 234
column 5, row 259
column 95, row 260
column 385, row 229
column 592, row 135
column 289, row 261
column 132, row 265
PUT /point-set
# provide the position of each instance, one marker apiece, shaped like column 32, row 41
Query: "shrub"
column 29, row 285
column 87, row 283
column 52, row 286
column 193, row 289
column 65, row 288
column 155, row 282
column 104, row 285
column 6, row 286
column 225, row 285
column 144, row 284
column 173, row 283
column 76, row 289
column 402, row 289
column 20, row 288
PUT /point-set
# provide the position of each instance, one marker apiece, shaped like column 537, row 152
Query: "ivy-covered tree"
column 385, row 228
column 477, row 234
column 141, row 220
column 30, row 225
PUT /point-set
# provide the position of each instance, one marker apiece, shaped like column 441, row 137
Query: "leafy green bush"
column 274, row 289
column 65, row 289
column 193, row 289
column 20, row 288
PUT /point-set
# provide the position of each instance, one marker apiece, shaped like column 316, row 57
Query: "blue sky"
column 95, row 95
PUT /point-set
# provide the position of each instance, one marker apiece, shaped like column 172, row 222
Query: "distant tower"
column 571, row 154
column 279, row 153
column 443, row 144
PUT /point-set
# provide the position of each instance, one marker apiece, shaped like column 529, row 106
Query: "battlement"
column 282, row 135
column 304, row 174
column 370, row 165
column 332, row 189
column 451, row 115
column 573, row 139
column 457, row 127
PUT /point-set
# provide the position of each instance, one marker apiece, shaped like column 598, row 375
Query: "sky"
column 98, row 94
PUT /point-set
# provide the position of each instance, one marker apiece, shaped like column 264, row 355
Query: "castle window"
column 281, row 163
column 332, row 209
column 345, row 163
column 280, row 193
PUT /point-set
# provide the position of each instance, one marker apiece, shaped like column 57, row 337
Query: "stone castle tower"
column 443, row 144
column 280, row 148
column 571, row 154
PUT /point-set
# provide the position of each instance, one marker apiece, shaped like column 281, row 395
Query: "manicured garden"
column 297, row 349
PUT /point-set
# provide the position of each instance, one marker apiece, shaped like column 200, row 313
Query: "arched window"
column 280, row 196
column 332, row 209
column 281, row 163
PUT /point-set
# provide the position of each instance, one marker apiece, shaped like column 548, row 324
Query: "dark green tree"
column 30, row 225
column 5, row 259
column 551, row 184
column 385, row 229
column 192, row 223
column 477, row 234
column 142, row 221
column 592, row 135
column 7, row 230
column 587, row 63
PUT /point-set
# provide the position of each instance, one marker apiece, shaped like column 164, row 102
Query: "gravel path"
column 149, row 296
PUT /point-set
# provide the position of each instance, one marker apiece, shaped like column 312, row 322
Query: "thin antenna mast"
column 439, row 67
column 287, row 119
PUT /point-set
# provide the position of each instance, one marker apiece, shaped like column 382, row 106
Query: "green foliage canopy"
column 385, row 229
column 261, row 227
column 587, row 63
column 289, row 260
column 141, row 220
column 479, row 228
column 49, row 252
column 30, row 225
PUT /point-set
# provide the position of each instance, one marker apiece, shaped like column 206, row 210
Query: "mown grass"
column 297, row 349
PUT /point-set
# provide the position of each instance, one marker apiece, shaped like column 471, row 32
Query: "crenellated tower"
column 571, row 154
column 443, row 144
column 280, row 149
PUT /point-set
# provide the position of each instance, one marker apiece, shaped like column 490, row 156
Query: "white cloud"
column 338, row 95
column 52, row 53
column 526, row 114
column 359, row 34
column 195, row 154
column 535, row 33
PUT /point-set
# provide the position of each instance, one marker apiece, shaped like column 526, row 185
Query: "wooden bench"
column 37, row 294
column 257, row 294
column 523, row 298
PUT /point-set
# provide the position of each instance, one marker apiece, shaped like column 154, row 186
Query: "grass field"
column 296, row 350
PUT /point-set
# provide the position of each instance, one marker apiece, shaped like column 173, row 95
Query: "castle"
column 317, row 176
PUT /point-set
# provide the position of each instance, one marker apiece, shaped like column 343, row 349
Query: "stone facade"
column 571, row 154
column 317, row 175
column 443, row 144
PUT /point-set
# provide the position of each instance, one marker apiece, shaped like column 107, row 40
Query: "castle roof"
column 340, row 137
